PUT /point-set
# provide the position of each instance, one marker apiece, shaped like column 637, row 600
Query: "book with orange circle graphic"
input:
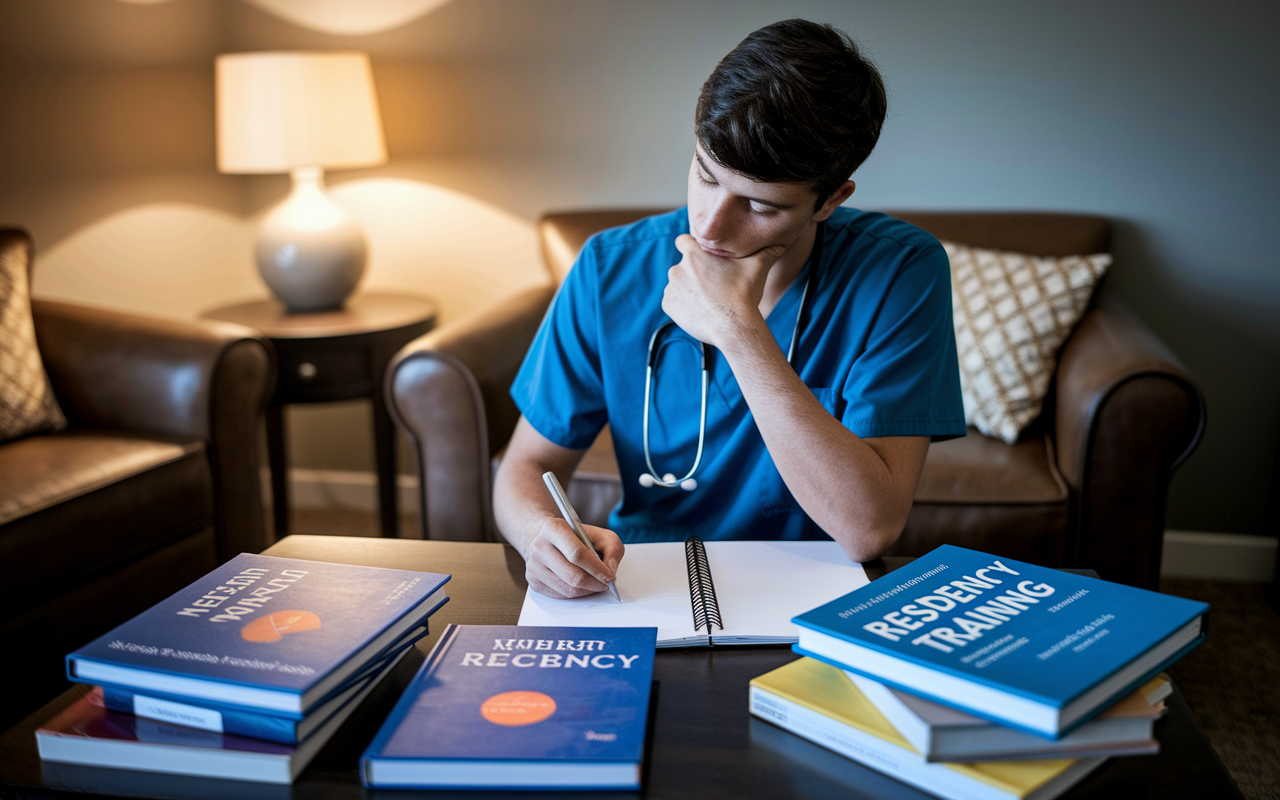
column 520, row 708
column 263, row 634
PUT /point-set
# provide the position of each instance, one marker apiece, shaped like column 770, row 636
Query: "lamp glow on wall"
column 301, row 113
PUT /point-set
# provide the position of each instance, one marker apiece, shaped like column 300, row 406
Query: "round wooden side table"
column 334, row 355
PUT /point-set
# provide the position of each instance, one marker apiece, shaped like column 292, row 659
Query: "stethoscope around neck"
column 688, row 482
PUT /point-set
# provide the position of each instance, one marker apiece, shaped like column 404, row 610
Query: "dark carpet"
column 1231, row 682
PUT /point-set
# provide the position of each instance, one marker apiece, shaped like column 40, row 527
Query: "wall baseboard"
column 1187, row 554
column 343, row 489
column 1218, row 556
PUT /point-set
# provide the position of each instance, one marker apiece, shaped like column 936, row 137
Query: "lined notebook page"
column 760, row 586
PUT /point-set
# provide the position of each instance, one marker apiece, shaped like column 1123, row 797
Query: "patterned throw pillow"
column 1012, row 314
column 27, row 404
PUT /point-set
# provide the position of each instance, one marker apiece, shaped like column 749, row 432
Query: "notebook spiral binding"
column 702, row 590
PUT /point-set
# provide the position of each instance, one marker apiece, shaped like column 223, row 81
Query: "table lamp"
column 300, row 113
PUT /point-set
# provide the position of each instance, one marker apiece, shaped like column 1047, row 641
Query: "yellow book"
column 820, row 703
column 1157, row 689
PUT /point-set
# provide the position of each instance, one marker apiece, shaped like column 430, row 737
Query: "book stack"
column 972, row 676
column 244, row 674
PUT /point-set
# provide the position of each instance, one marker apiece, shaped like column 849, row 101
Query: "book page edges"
column 828, row 691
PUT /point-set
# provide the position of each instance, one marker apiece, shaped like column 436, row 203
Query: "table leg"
column 384, row 445
column 279, row 470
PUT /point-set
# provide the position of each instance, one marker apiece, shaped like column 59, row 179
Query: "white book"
column 941, row 733
column 752, row 589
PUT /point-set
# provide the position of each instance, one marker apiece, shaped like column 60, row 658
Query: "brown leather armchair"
column 1085, row 486
column 154, row 483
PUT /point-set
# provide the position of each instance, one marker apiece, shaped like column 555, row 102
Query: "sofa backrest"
column 1037, row 233
column 564, row 233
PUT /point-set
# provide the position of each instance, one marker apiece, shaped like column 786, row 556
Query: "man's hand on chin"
column 711, row 297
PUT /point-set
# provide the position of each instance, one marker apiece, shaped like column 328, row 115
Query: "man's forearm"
column 839, row 480
column 557, row 562
column 521, row 503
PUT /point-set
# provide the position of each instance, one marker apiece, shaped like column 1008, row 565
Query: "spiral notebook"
column 703, row 593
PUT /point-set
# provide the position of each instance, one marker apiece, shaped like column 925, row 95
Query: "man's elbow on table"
column 863, row 545
column 868, row 523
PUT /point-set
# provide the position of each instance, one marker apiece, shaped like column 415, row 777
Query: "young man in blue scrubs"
column 831, row 362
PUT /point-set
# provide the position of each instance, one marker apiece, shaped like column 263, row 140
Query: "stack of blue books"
column 245, row 673
column 971, row 675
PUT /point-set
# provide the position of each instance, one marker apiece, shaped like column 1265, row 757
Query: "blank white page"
column 760, row 586
column 653, row 583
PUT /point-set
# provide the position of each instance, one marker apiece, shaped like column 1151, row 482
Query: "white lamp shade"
column 277, row 111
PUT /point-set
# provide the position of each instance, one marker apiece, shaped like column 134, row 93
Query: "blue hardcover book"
column 1025, row 646
column 89, row 734
column 520, row 708
column 262, row 634
column 222, row 719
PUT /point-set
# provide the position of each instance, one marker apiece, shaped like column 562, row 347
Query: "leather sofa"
column 1085, row 486
column 154, row 483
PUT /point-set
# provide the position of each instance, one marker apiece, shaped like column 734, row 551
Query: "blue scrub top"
column 877, row 349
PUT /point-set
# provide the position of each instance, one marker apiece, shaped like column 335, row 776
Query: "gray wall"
column 1161, row 116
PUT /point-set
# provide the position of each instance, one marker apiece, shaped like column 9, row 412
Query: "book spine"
column 240, row 723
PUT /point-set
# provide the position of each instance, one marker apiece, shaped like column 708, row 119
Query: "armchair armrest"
column 1127, row 415
column 448, row 392
column 173, row 379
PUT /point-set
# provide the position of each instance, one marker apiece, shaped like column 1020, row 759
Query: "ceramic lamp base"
column 310, row 251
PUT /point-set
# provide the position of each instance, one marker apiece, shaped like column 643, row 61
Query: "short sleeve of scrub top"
column 901, row 375
column 559, row 388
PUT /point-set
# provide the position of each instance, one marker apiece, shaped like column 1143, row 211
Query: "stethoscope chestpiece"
column 668, row 481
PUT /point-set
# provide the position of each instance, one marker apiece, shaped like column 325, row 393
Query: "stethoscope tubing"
column 652, row 474
column 688, row 483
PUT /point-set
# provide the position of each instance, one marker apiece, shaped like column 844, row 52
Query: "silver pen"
column 571, row 516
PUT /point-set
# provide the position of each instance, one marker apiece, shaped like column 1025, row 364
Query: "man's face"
column 731, row 215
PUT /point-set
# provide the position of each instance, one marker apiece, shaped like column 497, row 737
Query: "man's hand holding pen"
column 559, row 565
column 571, row 566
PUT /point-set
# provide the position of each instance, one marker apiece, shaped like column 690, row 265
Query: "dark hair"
column 795, row 101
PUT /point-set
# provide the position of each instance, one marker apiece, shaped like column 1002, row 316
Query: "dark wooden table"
column 334, row 355
column 704, row 744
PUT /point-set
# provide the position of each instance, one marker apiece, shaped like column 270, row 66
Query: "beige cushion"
column 27, row 404
column 1013, row 312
